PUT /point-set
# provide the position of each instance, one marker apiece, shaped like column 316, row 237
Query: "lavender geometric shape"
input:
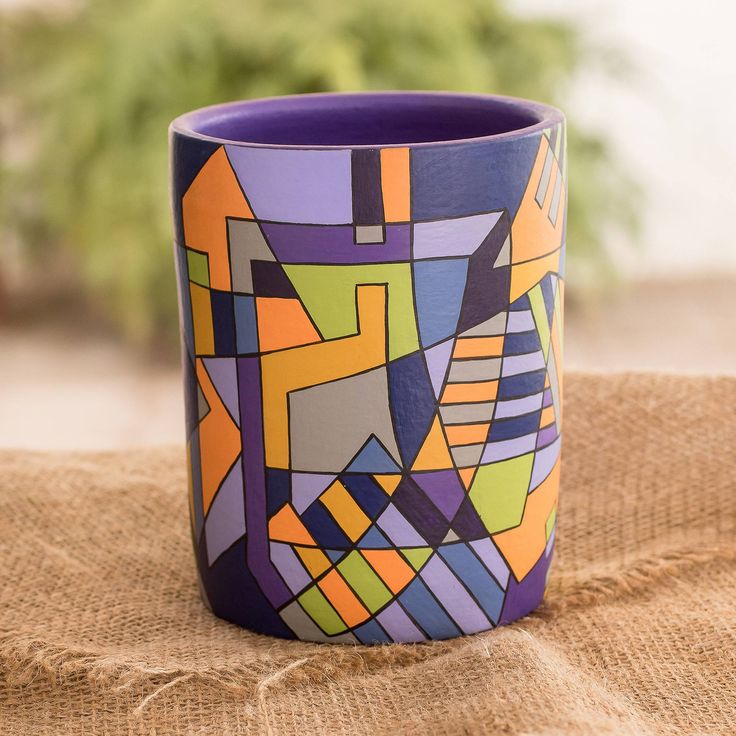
column 288, row 565
column 398, row 625
column 491, row 558
column 459, row 236
column 547, row 435
column 291, row 185
column 544, row 461
column 306, row 488
column 517, row 407
column 453, row 596
column 516, row 364
column 398, row 529
column 223, row 373
column 495, row 451
column 225, row 522
column 520, row 321
column 437, row 359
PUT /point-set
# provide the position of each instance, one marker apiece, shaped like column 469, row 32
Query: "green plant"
column 93, row 91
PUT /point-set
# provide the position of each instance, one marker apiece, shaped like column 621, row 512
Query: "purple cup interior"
column 365, row 119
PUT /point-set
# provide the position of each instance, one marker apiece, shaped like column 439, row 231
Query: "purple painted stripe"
column 454, row 598
column 547, row 435
column 513, row 365
column 517, row 407
column 398, row 625
column 495, row 451
column 520, row 321
column 491, row 558
column 333, row 244
column 251, row 428
column 544, row 461
column 547, row 401
column 459, row 236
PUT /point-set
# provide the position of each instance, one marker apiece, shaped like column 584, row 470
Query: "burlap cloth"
column 103, row 631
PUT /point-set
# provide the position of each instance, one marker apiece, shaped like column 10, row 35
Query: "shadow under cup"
column 370, row 295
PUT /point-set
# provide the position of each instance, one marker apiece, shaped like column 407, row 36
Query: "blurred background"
column 88, row 330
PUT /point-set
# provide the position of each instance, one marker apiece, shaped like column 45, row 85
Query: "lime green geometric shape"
column 321, row 611
column 536, row 299
column 198, row 265
column 364, row 581
column 417, row 556
column 550, row 525
column 499, row 492
column 328, row 293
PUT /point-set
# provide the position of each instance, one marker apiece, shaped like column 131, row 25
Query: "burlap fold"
column 102, row 630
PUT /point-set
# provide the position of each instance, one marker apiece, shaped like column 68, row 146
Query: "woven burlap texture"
column 102, row 630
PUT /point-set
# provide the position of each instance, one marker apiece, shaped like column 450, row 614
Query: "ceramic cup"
column 370, row 291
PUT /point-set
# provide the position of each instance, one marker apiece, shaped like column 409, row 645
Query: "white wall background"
column 674, row 122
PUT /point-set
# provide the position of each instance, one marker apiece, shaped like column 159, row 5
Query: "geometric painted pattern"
column 373, row 384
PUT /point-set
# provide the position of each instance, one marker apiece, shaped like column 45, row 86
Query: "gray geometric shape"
column 496, row 325
column 544, row 179
column 483, row 369
column 555, row 200
column 467, row 455
column 296, row 618
column 330, row 422
column 504, row 255
column 203, row 408
column 369, row 234
column 467, row 413
column 246, row 244
column 450, row 537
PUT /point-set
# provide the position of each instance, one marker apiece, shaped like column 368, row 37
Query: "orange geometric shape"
column 213, row 195
column 395, row 184
column 468, row 393
column 478, row 347
column 351, row 610
column 315, row 560
column 467, row 475
column 204, row 336
column 434, row 454
column 523, row 545
column 345, row 511
column 389, row 482
column 286, row 526
column 219, row 439
column 536, row 230
column 390, row 567
column 548, row 416
column 283, row 323
column 466, row 434
column 308, row 365
column 527, row 274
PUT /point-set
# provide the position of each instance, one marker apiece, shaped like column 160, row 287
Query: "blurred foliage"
column 91, row 92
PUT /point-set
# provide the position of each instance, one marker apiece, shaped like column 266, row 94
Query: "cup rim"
column 186, row 124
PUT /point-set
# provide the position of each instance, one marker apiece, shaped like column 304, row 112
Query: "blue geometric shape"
column 366, row 492
column 373, row 539
column 450, row 181
column 372, row 458
column 413, row 403
column 438, row 290
column 277, row 489
column 246, row 328
column 372, row 633
column 505, row 429
column 323, row 528
column 518, row 343
column 424, row 609
column 336, row 554
column 476, row 577
column 520, row 304
column 223, row 322
column 523, row 384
